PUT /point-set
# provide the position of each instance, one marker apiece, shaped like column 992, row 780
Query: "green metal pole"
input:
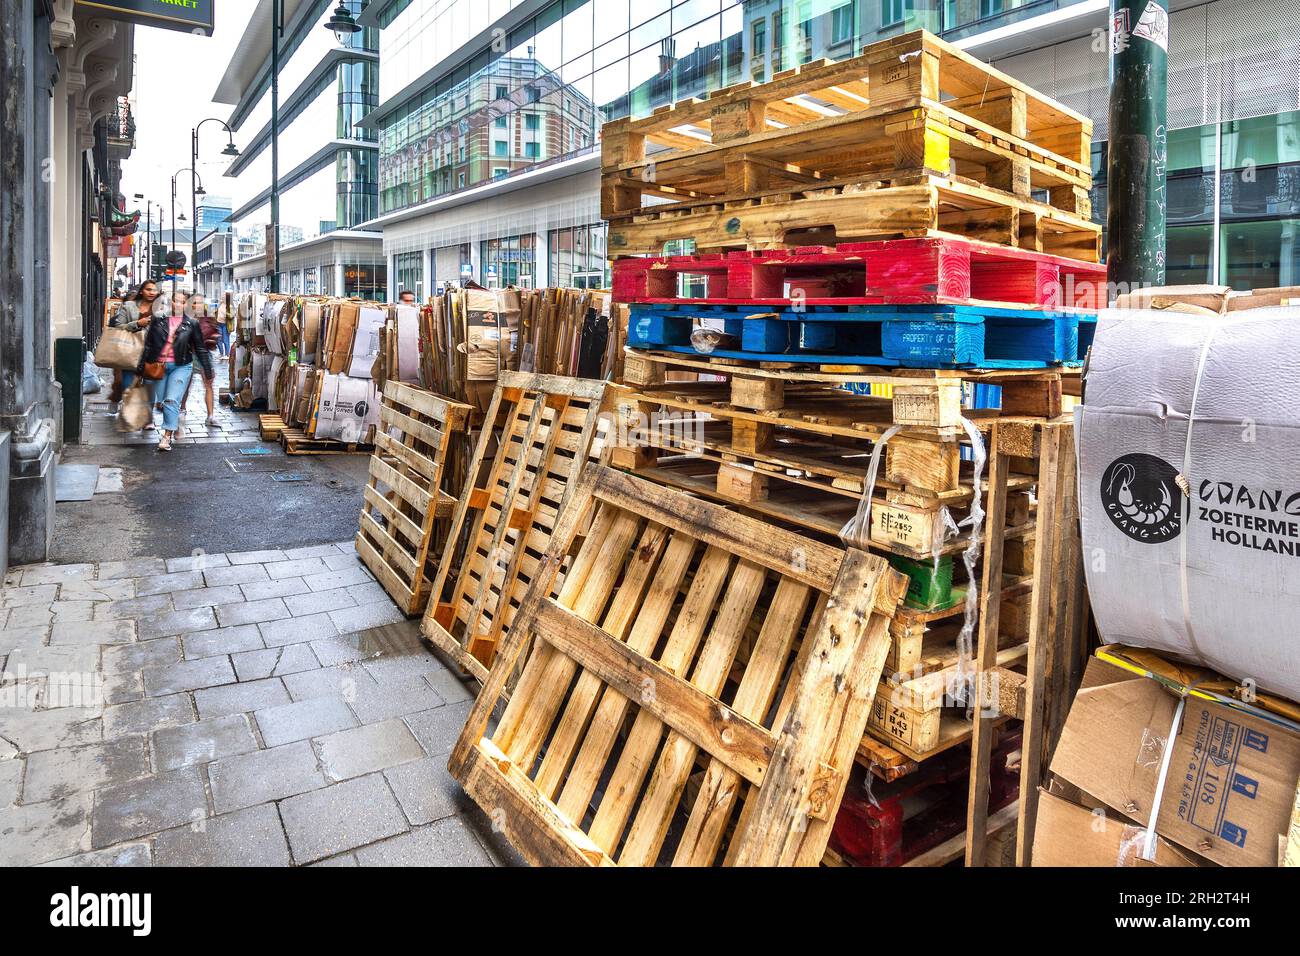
column 1138, row 155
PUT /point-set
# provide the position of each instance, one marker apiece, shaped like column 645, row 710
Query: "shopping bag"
column 119, row 348
column 136, row 409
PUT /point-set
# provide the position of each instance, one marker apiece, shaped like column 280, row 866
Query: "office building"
column 470, row 186
column 327, row 164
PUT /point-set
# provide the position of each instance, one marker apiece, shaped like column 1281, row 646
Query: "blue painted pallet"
column 926, row 336
column 1087, row 330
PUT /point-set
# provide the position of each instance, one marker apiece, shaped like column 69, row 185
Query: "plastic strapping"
column 1149, row 846
column 970, row 557
column 857, row 530
column 1187, row 464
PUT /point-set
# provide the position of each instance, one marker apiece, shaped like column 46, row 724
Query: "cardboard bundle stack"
column 468, row 336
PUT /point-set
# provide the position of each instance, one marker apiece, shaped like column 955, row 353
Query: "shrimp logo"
column 1141, row 494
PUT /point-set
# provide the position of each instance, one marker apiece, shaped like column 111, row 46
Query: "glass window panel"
column 611, row 18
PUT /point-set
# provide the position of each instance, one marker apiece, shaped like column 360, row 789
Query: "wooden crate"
column 668, row 603
column 548, row 431
column 405, row 495
column 269, row 427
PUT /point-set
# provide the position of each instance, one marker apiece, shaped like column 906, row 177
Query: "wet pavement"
column 208, row 675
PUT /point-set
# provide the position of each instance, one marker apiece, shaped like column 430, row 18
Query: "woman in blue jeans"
column 175, row 343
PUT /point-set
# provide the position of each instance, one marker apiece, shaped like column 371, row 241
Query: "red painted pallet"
column 894, row 271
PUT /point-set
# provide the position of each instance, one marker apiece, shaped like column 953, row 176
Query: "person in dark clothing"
column 133, row 315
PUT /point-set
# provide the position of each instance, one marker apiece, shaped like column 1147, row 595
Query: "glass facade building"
column 328, row 162
column 476, row 135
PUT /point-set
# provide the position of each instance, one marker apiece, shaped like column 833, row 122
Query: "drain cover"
column 291, row 476
column 257, row 450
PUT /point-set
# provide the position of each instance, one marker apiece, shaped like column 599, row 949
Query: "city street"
column 207, row 675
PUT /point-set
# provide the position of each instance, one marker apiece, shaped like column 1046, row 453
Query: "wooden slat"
column 735, row 740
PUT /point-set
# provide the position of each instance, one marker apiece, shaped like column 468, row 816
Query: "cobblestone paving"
column 99, row 426
column 258, row 708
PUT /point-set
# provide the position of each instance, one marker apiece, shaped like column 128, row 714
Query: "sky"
column 176, row 74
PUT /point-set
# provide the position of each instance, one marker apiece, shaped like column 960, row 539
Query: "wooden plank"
column 732, row 738
column 986, row 654
column 1050, row 501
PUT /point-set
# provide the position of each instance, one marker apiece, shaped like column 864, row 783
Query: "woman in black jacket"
column 175, row 342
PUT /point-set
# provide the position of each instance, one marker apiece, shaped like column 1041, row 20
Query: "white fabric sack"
column 1191, row 545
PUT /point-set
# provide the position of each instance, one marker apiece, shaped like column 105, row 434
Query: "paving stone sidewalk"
column 261, row 708
column 99, row 425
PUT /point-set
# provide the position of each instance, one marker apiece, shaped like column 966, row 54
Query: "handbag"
column 136, row 409
column 153, row 371
column 120, row 349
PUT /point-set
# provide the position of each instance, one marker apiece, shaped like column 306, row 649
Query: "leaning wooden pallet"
column 549, row 429
column 911, row 137
column 406, row 494
column 670, row 606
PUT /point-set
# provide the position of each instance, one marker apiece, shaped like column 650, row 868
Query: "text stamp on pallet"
column 404, row 497
column 670, row 606
column 549, row 429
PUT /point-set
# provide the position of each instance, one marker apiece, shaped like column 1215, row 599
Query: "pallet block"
column 404, row 496
column 642, row 642
column 548, row 432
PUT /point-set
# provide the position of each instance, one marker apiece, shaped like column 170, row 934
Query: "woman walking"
column 198, row 310
column 171, row 346
column 141, row 308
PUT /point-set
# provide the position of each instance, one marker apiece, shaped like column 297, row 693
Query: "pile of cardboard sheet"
column 1156, row 768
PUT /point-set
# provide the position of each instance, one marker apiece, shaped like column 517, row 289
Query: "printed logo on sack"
column 1141, row 494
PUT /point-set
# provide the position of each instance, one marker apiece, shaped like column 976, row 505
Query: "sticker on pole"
column 1154, row 25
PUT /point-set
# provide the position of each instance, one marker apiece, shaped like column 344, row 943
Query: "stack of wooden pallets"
column 987, row 283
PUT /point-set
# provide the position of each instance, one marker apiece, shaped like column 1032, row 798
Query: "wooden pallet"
column 670, row 606
column 912, row 101
column 912, row 336
column 405, row 496
column 893, row 271
column 269, row 427
column 548, row 432
column 919, row 397
column 296, row 442
column 907, row 206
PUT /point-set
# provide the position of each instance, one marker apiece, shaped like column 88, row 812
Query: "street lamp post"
column 148, row 231
column 230, row 150
column 195, row 184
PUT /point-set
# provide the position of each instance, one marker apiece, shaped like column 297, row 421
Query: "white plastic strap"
column 1149, row 846
column 857, row 530
column 970, row 557
column 1187, row 465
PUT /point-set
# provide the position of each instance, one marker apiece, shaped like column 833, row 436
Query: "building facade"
column 64, row 235
column 327, row 163
column 214, row 214
column 464, row 79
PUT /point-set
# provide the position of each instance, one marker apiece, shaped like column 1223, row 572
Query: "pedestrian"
column 199, row 312
column 406, row 297
column 225, row 312
column 174, row 343
column 139, row 309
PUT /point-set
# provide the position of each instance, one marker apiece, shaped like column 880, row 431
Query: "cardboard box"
column 365, row 341
column 1232, row 777
column 1067, row 834
column 348, row 409
column 342, row 326
column 1192, row 540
